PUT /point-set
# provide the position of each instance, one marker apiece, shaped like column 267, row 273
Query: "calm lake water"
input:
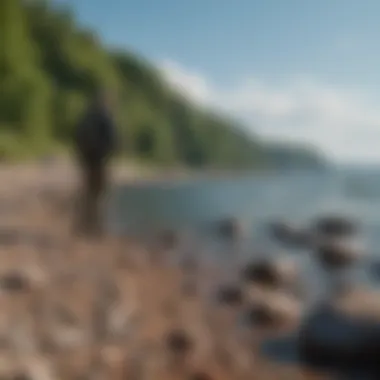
column 257, row 200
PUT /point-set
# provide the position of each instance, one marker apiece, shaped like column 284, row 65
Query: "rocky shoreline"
column 117, row 308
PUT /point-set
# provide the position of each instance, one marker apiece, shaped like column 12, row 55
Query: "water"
column 297, row 197
column 190, row 203
column 257, row 200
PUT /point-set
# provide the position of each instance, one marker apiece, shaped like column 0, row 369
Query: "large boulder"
column 343, row 334
column 274, row 310
column 290, row 235
column 335, row 226
column 336, row 253
column 274, row 273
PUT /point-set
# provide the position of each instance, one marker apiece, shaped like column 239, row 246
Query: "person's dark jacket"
column 95, row 138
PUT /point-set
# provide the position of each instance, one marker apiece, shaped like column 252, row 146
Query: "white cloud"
column 187, row 82
column 343, row 123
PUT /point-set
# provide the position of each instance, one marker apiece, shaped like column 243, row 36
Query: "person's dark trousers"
column 94, row 177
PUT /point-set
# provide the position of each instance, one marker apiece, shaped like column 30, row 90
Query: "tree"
column 49, row 67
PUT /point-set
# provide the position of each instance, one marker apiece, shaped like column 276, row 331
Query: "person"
column 95, row 142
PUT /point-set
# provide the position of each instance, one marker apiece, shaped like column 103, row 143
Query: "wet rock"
column 178, row 342
column 200, row 376
column 14, row 282
column 271, row 273
column 230, row 295
column 275, row 311
column 290, row 235
column 335, row 226
column 230, row 228
column 335, row 253
column 333, row 339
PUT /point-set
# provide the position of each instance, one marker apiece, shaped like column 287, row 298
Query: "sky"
column 295, row 70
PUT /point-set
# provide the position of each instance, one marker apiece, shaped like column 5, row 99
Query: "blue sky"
column 300, row 70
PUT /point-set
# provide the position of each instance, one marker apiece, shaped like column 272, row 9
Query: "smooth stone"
column 343, row 333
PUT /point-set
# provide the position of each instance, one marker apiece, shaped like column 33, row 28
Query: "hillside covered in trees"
column 50, row 65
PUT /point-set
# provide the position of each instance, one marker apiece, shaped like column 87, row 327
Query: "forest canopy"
column 49, row 68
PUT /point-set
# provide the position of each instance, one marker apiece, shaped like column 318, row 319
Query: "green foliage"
column 11, row 148
column 50, row 66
